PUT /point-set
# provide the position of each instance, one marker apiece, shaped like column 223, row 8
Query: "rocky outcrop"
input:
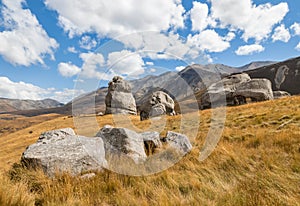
column 119, row 99
column 157, row 104
column 280, row 94
column 63, row 151
column 235, row 89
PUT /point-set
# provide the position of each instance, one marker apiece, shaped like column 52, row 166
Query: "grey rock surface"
column 235, row 89
column 119, row 99
column 121, row 141
column 157, row 104
column 179, row 142
column 63, row 151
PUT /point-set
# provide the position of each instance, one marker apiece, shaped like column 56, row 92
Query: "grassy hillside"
column 256, row 162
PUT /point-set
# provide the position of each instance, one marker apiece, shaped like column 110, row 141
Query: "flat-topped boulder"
column 61, row 150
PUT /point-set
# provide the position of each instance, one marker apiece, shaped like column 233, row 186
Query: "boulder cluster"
column 237, row 89
column 119, row 100
column 62, row 150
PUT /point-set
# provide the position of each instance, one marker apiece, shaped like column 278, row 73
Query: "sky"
column 63, row 48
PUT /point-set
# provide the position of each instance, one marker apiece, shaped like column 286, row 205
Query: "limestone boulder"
column 119, row 99
column 62, row 151
column 179, row 142
column 123, row 142
column 157, row 104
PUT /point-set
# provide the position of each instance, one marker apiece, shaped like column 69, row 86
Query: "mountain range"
column 180, row 85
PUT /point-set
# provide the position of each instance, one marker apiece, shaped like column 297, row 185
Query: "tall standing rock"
column 119, row 99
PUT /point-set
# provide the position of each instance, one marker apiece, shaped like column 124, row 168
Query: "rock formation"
column 119, row 99
column 157, row 104
column 63, row 151
column 235, row 89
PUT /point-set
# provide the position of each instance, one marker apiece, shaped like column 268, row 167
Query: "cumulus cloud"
column 209, row 40
column 298, row 47
column 113, row 18
column 255, row 21
column 199, row 16
column 87, row 43
column 93, row 66
column 281, row 34
column 126, row 63
column 72, row 50
column 68, row 69
column 296, row 29
column 249, row 49
column 22, row 90
column 23, row 41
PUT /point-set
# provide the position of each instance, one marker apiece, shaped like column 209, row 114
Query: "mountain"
column 183, row 85
column 283, row 75
column 12, row 105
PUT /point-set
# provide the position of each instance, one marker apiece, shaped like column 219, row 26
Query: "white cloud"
column 199, row 16
column 93, row 66
column 296, row 28
column 209, row 40
column 180, row 68
column 230, row 36
column 22, row 90
column 152, row 70
column 72, row 50
column 298, row 47
column 256, row 21
column 249, row 49
column 113, row 18
column 126, row 63
column 281, row 34
column 68, row 69
column 87, row 43
column 149, row 63
column 23, row 41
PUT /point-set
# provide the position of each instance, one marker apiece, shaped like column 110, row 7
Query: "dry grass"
column 257, row 162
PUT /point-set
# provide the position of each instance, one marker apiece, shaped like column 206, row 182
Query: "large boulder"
column 256, row 89
column 157, row 104
column 63, row 151
column 119, row 99
column 122, row 142
column 235, row 89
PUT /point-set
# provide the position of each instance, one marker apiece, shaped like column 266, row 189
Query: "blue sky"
column 60, row 48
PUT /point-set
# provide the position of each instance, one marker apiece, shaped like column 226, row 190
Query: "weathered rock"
column 63, row 151
column 121, row 141
column 223, row 90
column 151, row 142
column 179, row 142
column 280, row 94
column 235, row 89
column 119, row 99
column 157, row 104
column 256, row 89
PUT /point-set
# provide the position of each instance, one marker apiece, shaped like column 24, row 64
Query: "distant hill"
column 283, row 75
column 183, row 85
column 12, row 105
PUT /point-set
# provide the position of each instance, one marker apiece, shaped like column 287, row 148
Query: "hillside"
column 12, row 105
column 256, row 162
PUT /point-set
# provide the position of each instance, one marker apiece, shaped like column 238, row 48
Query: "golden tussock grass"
column 256, row 162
